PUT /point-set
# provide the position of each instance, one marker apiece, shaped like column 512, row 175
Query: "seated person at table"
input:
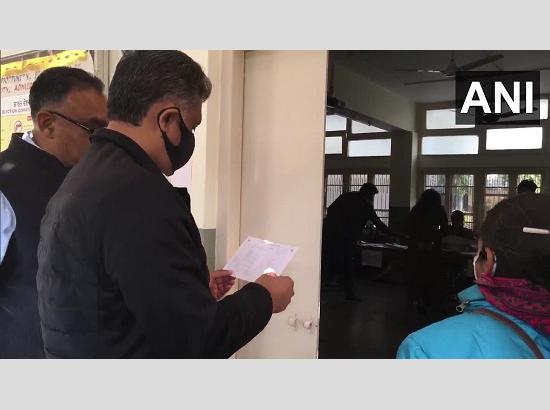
column 342, row 228
column 506, row 314
column 457, row 238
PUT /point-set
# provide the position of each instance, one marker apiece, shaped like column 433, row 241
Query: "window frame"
column 511, row 162
column 449, row 189
column 479, row 174
column 460, row 134
column 347, row 135
column 480, row 131
column 346, row 177
column 332, row 134
column 362, row 138
column 513, row 151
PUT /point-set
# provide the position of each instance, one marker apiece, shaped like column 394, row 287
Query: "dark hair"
column 54, row 84
column 368, row 189
column 527, row 185
column 429, row 200
column 457, row 216
column 144, row 77
column 520, row 254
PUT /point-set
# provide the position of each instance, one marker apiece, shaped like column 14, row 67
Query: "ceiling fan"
column 451, row 69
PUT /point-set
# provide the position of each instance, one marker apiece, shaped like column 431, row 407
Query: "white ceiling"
column 380, row 67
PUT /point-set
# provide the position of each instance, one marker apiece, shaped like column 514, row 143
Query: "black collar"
column 39, row 156
column 128, row 145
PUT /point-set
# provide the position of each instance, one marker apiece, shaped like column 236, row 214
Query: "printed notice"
column 257, row 256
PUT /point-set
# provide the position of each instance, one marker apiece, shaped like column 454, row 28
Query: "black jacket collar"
column 40, row 157
column 127, row 144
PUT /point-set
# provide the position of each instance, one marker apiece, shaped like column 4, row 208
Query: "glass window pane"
column 443, row 119
column 536, row 178
column 382, row 199
column 454, row 145
column 333, row 145
column 462, row 197
column 514, row 138
column 384, row 215
column 335, row 123
column 496, row 180
column 382, row 179
column 356, row 180
column 335, row 185
column 497, row 188
column 369, row 148
column 360, row 128
column 436, row 182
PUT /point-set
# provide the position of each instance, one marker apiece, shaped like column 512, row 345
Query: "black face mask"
column 179, row 154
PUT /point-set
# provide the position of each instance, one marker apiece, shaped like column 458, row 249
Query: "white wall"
column 228, row 224
column 203, row 169
column 363, row 95
column 204, row 186
column 282, row 182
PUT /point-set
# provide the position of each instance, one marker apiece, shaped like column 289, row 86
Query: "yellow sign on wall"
column 62, row 59
column 14, row 123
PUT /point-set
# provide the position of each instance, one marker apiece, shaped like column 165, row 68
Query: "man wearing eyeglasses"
column 67, row 105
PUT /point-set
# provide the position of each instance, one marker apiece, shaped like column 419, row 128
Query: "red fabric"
column 519, row 298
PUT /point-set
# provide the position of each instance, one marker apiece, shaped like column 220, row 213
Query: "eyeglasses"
column 88, row 129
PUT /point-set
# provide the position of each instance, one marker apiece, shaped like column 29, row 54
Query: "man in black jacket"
column 122, row 272
column 342, row 228
column 67, row 104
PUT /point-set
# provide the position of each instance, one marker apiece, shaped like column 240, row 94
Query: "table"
column 372, row 255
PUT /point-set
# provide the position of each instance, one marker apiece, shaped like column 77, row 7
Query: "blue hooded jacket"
column 472, row 336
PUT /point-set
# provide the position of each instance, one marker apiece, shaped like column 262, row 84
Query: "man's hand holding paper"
column 263, row 262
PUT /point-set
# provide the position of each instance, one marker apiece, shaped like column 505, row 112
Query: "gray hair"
column 143, row 78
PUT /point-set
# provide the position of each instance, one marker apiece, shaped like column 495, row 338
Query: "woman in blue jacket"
column 506, row 314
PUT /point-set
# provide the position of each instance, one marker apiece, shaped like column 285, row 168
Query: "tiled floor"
column 372, row 328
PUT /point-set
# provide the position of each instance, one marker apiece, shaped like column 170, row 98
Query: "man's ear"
column 167, row 118
column 45, row 122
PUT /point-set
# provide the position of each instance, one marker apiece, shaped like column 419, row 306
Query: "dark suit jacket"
column 122, row 271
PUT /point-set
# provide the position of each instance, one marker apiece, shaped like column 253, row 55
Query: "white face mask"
column 475, row 261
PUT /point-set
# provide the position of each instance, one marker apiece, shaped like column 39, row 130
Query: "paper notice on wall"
column 257, row 256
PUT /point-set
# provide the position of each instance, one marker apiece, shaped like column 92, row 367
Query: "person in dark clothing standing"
column 67, row 104
column 122, row 271
column 342, row 228
column 427, row 224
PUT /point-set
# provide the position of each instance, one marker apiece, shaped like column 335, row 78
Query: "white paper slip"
column 257, row 256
